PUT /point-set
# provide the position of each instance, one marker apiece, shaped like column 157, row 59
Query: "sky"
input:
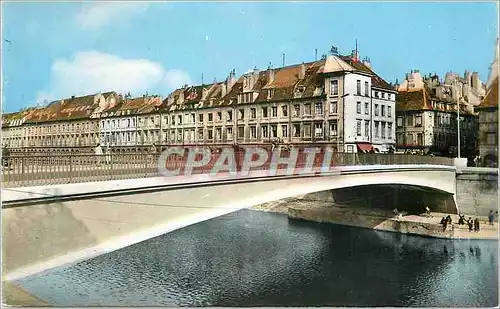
column 53, row 50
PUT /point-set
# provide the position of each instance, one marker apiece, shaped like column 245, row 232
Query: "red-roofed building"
column 337, row 100
column 427, row 118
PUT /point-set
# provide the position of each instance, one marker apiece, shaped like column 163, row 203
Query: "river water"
column 251, row 258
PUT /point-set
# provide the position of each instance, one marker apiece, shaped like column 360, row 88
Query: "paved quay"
column 379, row 219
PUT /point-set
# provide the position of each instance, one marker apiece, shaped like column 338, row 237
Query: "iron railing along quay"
column 34, row 170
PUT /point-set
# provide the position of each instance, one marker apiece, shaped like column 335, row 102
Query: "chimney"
column 476, row 82
column 367, row 63
column 231, row 80
column 181, row 97
column 223, row 89
column 302, row 72
column 270, row 75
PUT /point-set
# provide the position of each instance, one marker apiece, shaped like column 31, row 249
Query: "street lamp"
column 458, row 115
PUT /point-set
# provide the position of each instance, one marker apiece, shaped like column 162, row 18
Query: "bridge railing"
column 74, row 168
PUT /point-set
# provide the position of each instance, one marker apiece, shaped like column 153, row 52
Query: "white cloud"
column 176, row 79
column 90, row 72
column 95, row 15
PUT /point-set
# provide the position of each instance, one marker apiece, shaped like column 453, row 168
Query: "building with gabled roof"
column 426, row 110
column 319, row 102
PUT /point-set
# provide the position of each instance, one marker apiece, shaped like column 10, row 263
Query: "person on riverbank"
column 461, row 219
column 491, row 217
column 476, row 225
column 470, row 223
column 444, row 222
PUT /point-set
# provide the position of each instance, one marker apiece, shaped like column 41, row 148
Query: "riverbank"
column 323, row 210
column 13, row 295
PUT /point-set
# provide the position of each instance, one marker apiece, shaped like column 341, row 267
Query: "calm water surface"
column 251, row 258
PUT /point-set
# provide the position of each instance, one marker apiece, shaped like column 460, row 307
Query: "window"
column 241, row 114
column 367, row 128
column 229, row 115
column 409, row 139
column 400, row 122
column 367, row 108
column 400, row 139
column 376, row 129
column 388, row 96
column 210, row 134
column 284, row 110
column 358, row 87
column 350, row 148
column 418, row 120
column 358, row 107
column 409, row 121
column 307, row 109
column 376, row 94
column 420, row 140
column 376, row 109
column 296, row 110
column 265, row 132
column 319, row 108
column 173, row 120
column 210, row 117
column 219, row 116
column 229, row 132
column 284, row 130
column 367, row 89
column 383, row 95
column 179, row 118
column 200, row 134
column 389, row 130
column 383, row 129
column 253, row 113
column 318, row 129
column 296, row 130
column 334, row 87
column 333, row 107
column 200, row 118
column 389, row 111
column 253, row 132
column 333, row 128
column 274, row 111
column 491, row 138
column 218, row 133
column 264, row 112
column 358, row 127
column 241, row 132
column 383, row 110
column 274, row 131
column 307, row 130
column 270, row 93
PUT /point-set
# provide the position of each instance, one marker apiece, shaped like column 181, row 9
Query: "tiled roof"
column 421, row 100
column 377, row 81
column 491, row 98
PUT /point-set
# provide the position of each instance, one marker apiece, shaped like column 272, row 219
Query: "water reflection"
column 252, row 259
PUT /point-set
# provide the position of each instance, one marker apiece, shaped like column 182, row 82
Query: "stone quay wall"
column 477, row 191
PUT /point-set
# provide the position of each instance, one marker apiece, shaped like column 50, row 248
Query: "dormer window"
column 270, row 93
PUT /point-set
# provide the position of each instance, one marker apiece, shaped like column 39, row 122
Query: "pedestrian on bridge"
column 98, row 153
column 108, row 154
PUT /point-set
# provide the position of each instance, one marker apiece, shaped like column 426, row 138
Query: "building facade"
column 337, row 101
column 427, row 115
column 488, row 118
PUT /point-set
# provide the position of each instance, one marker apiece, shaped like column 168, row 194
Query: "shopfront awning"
column 365, row 147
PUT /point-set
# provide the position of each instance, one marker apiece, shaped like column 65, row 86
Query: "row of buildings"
column 338, row 100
